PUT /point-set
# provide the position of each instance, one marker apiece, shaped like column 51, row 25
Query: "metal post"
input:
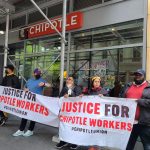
column 63, row 44
column 69, row 37
column 39, row 9
column 6, row 40
column 145, row 35
column 68, row 52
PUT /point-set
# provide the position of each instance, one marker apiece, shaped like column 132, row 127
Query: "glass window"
column 111, row 65
column 113, row 35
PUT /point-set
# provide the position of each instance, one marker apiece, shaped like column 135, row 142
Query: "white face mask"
column 69, row 92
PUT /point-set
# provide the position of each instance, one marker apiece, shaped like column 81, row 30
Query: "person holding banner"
column 139, row 89
column 69, row 90
column 35, row 85
column 10, row 80
column 96, row 89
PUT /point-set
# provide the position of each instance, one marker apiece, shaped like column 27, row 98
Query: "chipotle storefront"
column 102, row 41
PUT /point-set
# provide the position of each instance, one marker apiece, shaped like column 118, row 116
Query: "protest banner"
column 31, row 106
column 94, row 120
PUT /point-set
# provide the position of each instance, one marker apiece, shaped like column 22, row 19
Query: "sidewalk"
column 41, row 140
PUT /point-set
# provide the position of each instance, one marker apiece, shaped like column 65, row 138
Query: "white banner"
column 90, row 120
column 28, row 105
column 94, row 120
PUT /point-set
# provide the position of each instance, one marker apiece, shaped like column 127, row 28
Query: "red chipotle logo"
column 74, row 21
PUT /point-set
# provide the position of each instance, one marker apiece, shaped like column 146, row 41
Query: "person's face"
column 138, row 77
column 8, row 71
column 96, row 83
column 36, row 76
column 69, row 81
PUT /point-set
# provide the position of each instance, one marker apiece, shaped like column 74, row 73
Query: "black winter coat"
column 76, row 91
column 11, row 81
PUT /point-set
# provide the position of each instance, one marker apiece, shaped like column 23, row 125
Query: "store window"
column 111, row 65
column 112, row 35
column 41, row 53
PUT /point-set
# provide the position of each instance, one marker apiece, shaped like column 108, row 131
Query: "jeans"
column 141, row 131
column 24, row 123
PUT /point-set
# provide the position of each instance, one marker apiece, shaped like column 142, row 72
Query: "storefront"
column 105, row 40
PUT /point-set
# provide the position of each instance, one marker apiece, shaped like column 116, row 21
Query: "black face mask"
column 138, row 82
column 37, row 77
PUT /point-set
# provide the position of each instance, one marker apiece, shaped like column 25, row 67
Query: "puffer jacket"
column 144, row 103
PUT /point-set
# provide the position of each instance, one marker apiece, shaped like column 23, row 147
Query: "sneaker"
column 73, row 146
column 28, row 133
column 61, row 144
column 2, row 122
column 18, row 133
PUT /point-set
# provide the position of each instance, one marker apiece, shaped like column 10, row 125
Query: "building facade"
column 107, row 40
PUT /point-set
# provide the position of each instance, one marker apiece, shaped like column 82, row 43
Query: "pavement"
column 41, row 140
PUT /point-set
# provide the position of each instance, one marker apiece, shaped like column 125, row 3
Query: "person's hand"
column 81, row 95
column 66, row 96
column 101, row 95
column 41, row 84
column 26, row 89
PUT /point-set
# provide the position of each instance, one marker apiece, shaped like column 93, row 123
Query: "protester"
column 69, row 90
column 35, row 85
column 115, row 91
column 139, row 89
column 96, row 89
column 10, row 80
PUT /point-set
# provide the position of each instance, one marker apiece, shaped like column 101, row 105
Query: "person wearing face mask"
column 10, row 80
column 139, row 89
column 35, row 85
column 69, row 90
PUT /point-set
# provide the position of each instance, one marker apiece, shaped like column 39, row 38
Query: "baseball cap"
column 140, row 71
column 11, row 67
column 37, row 71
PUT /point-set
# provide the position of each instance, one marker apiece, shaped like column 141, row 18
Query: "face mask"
column 138, row 82
column 37, row 76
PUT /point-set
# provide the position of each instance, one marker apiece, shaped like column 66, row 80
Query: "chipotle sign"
column 74, row 21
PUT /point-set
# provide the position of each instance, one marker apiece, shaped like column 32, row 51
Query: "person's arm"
column 44, row 84
column 144, row 103
column 16, row 83
column 26, row 87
